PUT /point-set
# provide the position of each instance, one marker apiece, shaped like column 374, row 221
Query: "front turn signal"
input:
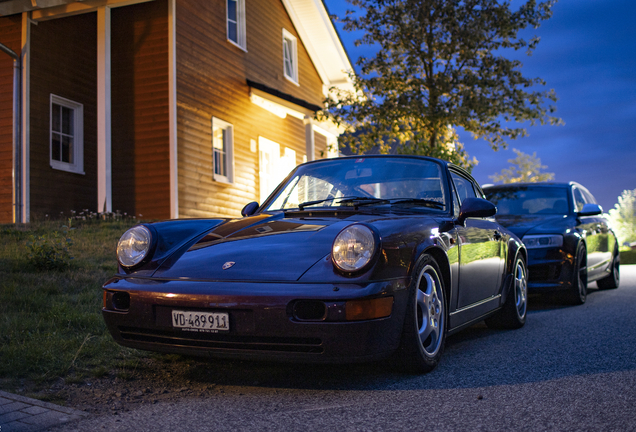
column 357, row 310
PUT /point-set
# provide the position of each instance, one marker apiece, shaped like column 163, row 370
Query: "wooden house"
column 159, row 108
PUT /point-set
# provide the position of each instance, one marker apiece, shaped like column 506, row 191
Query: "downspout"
column 17, row 147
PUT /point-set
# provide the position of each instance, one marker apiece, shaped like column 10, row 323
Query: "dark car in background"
column 569, row 241
column 349, row 259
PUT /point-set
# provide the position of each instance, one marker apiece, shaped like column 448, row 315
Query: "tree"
column 525, row 168
column 623, row 217
column 440, row 66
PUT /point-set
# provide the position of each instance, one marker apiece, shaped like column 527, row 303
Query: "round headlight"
column 133, row 246
column 353, row 248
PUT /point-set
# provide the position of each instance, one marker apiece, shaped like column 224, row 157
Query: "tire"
column 513, row 313
column 425, row 321
column 614, row 278
column 577, row 293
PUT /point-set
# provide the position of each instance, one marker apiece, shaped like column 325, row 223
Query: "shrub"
column 623, row 218
column 49, row 251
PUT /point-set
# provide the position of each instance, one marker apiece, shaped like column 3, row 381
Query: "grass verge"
column 50, row 315
column 628, row 256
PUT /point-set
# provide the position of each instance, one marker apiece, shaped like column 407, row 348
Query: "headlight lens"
column 353, row 248
column 542, row 241
column 133, row 246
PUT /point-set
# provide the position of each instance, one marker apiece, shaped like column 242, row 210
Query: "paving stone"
column 23, row 414
column 17, row 426
column 34, row 410
column 12, row 416
column 13, row 406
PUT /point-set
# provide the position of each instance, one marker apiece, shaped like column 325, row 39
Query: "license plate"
column 204, row 322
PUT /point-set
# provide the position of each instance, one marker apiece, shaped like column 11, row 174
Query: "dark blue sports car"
column 569, row 241
column 349, row 259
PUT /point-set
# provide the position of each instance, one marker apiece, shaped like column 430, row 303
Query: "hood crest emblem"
column 228, row 264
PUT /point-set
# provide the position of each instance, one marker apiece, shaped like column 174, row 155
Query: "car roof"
column 392, row 156
column 537, row 184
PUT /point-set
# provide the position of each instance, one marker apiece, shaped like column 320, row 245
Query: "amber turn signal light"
column 357, row 310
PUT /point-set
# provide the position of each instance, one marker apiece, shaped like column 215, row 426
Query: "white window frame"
column 77, row 166
column 241, row 40
column 290, row 55
column 218, row 124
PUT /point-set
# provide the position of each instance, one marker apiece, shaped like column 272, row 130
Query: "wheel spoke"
column 430, row 306
column 521, row 290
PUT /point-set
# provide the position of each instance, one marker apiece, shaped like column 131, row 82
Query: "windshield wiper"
column 354, row 201
column 419, row 201
column 358, row 201
column 310, row 203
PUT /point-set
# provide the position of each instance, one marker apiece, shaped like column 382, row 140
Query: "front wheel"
column 424, row 331
column 513, row 313
column 613, row 279
column 577, row 292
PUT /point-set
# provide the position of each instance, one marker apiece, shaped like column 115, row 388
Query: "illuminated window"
column 66, row 135
column 236, row 22
column 222, row 150
column 273, row 168
column 290, row 57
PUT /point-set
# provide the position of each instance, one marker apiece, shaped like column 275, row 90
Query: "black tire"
column 513, row 313
column 576, row 294
column 425, row 321
column 614, row 278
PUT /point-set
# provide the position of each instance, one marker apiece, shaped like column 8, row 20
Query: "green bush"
column 623, row 217
column 49, row 251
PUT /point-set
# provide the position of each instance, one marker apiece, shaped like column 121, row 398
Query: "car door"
column 481, row 251
column 595, row 230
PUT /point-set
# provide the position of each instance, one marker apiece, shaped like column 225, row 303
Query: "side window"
column 579, row 199
column 464, row 187
column 290, row 57
column 223, row 150
column 589, row 198
column 66, row 135
column 236, row 23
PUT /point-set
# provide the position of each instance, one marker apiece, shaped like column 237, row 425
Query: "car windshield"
column 529, row 200
column 350, row 182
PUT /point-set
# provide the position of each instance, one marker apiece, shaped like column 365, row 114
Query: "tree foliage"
column 524, row 169
column 440, row 65
column 623, row 217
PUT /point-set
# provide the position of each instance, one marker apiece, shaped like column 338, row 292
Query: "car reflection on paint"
column 350, row 259
column 569, row 241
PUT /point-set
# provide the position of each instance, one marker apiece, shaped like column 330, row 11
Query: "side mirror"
column 591, row 210
column 475, row 207
column 249, row 209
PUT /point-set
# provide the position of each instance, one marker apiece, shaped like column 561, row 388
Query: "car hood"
column 258, row 248
column 524, row 224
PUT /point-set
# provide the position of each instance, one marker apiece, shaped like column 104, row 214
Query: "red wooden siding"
column 211, row 82
column 11, row 31
column 63, row 62
column 140, row 110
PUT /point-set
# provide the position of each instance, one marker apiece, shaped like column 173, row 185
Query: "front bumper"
column 549, row 269
column 262, row 322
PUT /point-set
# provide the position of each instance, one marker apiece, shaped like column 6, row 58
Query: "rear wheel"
column 613, row 279
column 513, row 313
column 577, row 293
column 424, row 330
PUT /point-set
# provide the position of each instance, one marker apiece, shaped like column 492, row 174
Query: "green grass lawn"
column 50, row 305
column 628, row 257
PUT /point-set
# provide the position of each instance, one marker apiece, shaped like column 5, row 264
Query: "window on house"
column 290, row 57
column 66, row 135
column 222, row 150
column 236, row 22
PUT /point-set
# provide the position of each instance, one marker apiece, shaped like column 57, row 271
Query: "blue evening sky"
column 587, row 54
